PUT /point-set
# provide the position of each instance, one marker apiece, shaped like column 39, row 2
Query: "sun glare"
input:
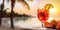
column 52, row 10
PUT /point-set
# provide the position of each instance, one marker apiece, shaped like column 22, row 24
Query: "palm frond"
column 24, row 3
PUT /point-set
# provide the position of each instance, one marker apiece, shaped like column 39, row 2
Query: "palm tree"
column 12, row 6
column 11, row 15
column 1, row 13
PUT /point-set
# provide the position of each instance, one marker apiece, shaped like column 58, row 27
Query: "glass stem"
column 42, row 25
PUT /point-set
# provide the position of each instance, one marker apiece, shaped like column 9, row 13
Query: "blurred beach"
column 23, row 23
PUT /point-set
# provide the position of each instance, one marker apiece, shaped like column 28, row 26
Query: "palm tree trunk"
column 1, row 13
column 12, row 25
column 0, row 18
column 12, row 6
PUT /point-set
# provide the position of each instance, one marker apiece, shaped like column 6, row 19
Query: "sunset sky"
column 34, row 5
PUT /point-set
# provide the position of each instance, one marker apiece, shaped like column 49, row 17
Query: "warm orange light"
column 52, row 10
